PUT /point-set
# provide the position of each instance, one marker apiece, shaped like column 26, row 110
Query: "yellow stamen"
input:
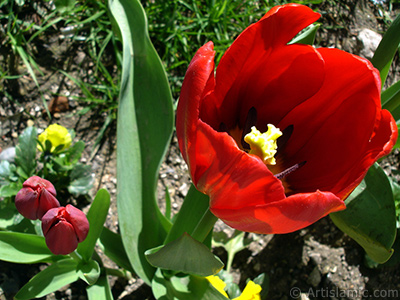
column 264, row 144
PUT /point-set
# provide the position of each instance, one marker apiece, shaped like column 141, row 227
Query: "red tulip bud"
column 36, row 197
column 64, row 228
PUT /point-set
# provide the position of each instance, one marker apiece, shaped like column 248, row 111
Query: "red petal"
column 333, row 129
column 61, row 238
column 36, row 182
column 284, row 216
column 27, row 203
column 49, row 218
column 274, row 84
column 46, row 202
column 271, row 33
column 79, row 221
column 193, row 90
column 232, row 178
column 380, row 145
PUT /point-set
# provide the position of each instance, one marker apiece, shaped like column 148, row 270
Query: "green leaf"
column 23, row 248
column 370, row 217
column 6, row 172
column 75, row 152
column 391, row 100
column 231, row 288
column 25, row 152
column 185, row 255
column 49, row 280
column 64, row 5
column 263, row 281
column 387, row 48
column 195, row 205
column 100, row 291
column 96, row 216
column 111, row 244
column 232, row 246
column 89, row 271
column 81, row 180
column 188, row 287
column 145, row 107
column 10, row 190
column 8, row 212
column 307, row 37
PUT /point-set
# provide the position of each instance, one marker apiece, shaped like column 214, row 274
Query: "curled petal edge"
column 197, row 80
column 287, row 215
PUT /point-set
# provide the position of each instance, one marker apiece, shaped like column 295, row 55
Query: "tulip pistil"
column 264, row 144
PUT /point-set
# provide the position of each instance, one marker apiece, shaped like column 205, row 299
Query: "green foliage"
column 23, row 248
column 179, row 28
column 100, row 291
column 185, row 287
column 185, row 255
column 89, row 271
column 145, row 106
column 25, row 153
column 59, row 167
column 232, row 245
column 50, row 279
column 387, row 48
column 96, row 216
column 370, row 217
column 111, row 244
column 31, row 248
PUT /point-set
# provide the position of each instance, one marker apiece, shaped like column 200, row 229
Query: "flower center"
column 264, row 144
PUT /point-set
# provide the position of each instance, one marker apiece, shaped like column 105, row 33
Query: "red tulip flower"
column 64, row 228
column 36, row 197
column 282, row 133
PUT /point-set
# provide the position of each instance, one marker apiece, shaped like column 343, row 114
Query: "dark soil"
column 318, row 262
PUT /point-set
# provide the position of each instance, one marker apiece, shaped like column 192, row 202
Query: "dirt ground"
column 318, row 262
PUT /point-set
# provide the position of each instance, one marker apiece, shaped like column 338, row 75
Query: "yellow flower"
column 57, row 135
column 251, row 291
column 218, row 284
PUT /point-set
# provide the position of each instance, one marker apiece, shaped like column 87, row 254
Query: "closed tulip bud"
column 64, row 228
column 36, row 197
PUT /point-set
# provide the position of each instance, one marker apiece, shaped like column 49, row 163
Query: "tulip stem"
column 76, row 256
column 192, row 212
column 204, row 227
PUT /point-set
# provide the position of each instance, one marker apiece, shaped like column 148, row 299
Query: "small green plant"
column 58, row 162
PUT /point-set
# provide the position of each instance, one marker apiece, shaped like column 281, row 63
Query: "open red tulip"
column 320, row 113
column 36, row 197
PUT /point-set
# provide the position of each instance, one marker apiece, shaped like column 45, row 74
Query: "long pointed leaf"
column 96, row 216
column 50, row 279
column 391, row 100
column 387, row 48
column 23, row 248
column 145, row 123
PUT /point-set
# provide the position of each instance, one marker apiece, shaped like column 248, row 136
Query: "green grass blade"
column 144, row 129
